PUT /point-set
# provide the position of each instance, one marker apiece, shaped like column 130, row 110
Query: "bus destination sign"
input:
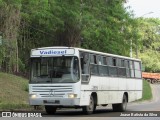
column 47, row 52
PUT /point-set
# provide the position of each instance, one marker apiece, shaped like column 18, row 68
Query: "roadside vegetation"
column 102, row 25
column 147, row 92
column 13, row 92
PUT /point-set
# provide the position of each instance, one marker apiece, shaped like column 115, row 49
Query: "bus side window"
column 91, row 59
column 118, row 62
column 113, row 69
column 99, row 61
column 137, row 69
column 104, row 60
column 114, row 62
column 84, row 58
column 122, row 63
column 103, row 68
column 95, row 60
column 121, row 68
column 110, row 62
column 94, row 64
column 84, row 63
column 131, row 69
column 127, row 68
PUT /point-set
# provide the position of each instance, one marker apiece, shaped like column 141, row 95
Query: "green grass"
column 147, row 93
column 13, row 92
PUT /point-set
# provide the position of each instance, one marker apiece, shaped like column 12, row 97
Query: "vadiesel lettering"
column 53, row 52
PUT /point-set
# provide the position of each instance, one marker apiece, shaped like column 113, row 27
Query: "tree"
column 149, row 42
column 99, row 25
column 10, row 19
column 106, row 26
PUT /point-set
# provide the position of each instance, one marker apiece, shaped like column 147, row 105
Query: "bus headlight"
column 33, row 96
column 71, row 95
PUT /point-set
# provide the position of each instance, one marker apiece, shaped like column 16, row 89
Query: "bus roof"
column 86, row 50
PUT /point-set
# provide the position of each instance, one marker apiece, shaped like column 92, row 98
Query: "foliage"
column 106, row 27
column 149, row 43
column 103, row 25
column 9, row 27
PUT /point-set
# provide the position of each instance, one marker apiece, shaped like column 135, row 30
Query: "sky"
column 145, row 8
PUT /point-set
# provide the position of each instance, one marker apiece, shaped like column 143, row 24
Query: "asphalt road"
column 153, row 105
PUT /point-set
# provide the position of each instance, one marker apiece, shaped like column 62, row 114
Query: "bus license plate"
column 51, row 101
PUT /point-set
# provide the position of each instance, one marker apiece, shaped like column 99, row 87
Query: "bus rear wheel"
column 50, row 109
column 91, row 107
column 121, row 107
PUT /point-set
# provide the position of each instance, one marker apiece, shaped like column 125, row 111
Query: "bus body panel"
column 109, row 89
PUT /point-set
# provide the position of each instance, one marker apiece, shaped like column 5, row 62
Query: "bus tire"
column 90, row 108
column 50, row 109
column 120, row 107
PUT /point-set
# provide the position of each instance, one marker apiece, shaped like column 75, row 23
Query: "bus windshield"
column 54, row 70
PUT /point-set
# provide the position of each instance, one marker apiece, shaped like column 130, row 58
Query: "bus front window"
column 54, row 70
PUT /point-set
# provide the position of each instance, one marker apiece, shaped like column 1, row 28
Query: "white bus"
column 75, row 77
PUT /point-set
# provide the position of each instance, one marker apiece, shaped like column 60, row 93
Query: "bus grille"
column 51, row 90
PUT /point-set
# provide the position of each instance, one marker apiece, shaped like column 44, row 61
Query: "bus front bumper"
column 55, row 101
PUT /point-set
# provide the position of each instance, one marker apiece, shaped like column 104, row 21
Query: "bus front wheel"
column 50, row 109
column 120, row 107
column 91, row 107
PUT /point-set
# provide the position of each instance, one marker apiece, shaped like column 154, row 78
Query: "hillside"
column 13, row 92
